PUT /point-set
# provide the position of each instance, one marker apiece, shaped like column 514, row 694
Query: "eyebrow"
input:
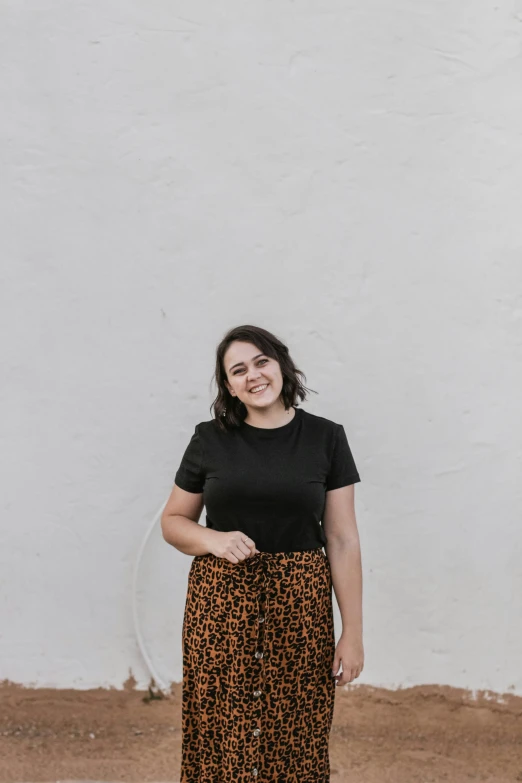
column 238, row 363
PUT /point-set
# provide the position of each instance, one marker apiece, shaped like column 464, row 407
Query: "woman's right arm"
column 179, row 523
column 180, row 527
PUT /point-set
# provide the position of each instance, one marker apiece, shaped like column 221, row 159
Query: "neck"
column 270, row 417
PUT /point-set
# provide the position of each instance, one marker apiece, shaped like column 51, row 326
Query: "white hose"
column 164, row 688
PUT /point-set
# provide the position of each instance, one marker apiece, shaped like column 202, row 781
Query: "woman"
column 260, row 664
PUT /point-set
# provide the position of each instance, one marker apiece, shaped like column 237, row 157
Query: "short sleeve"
column 342, row 466
column 190, row 475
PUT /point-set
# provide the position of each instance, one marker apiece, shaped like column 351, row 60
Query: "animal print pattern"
column 258, row 646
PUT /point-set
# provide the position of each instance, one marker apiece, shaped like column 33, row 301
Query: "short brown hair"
column 228, row 410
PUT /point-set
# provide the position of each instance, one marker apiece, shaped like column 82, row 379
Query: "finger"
column 244, row 549
column 253, row 549
column 247, row 546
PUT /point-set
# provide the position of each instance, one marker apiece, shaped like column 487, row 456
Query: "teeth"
column 258, row 388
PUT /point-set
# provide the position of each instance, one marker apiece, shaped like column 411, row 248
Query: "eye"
column 238, row 371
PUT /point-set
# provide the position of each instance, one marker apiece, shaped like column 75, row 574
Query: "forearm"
column 346, row 567
column 186, row 535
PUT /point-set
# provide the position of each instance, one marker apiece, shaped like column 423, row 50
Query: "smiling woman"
column 258, row 635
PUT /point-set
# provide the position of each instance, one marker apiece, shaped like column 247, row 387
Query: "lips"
column 261, row 390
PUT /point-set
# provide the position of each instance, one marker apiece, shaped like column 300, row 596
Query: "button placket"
column 259, row 655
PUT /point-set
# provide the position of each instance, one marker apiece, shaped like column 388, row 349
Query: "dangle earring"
column 224, row 411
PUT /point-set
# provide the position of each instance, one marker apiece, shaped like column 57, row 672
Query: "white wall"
column 344, row 174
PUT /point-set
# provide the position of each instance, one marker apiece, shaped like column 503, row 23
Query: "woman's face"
column 246, row 368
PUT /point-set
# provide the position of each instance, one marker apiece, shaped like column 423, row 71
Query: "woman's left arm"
column 344, row 553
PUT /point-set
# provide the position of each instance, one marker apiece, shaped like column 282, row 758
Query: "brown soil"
column 415, row 735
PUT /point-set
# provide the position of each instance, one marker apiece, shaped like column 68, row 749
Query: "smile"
column 258, row 389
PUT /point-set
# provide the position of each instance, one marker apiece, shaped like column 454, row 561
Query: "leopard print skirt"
column 258, row 646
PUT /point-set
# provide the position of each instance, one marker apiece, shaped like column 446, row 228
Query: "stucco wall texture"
column 344, row 174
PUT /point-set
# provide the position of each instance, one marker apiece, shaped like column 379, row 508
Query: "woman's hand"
column 350, row 652
column 234, row 546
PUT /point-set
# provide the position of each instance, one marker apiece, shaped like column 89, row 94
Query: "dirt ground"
column 415, row 735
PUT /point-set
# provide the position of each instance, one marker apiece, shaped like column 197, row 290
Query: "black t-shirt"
column 269, row 483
